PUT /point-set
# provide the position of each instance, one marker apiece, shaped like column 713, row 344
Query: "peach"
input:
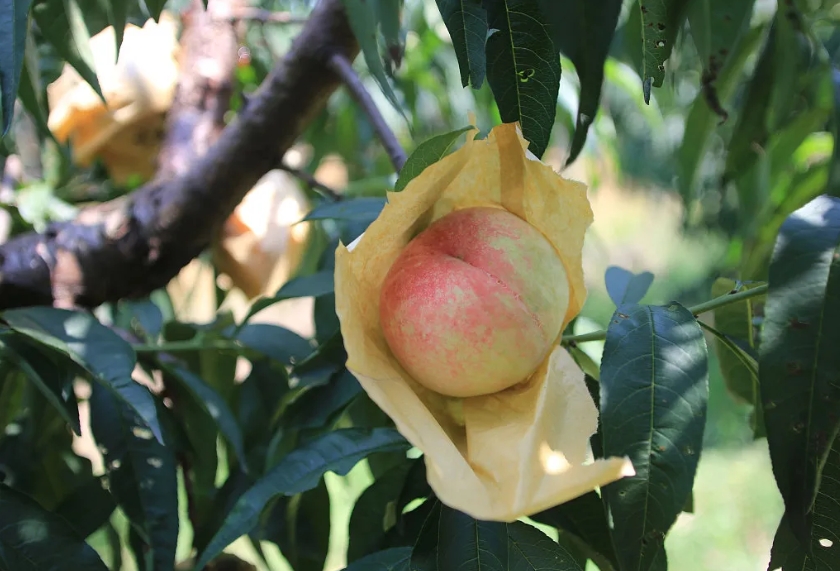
column 474, row 303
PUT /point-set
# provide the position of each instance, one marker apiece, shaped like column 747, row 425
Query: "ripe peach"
column 474, row 303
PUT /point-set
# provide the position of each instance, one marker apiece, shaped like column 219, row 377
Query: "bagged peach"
column 452, row 306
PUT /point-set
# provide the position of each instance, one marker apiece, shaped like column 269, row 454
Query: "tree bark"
column 131, row 246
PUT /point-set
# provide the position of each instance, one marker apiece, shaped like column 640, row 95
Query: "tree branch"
column 131, row 246
column 312, row 182
column 341, row 65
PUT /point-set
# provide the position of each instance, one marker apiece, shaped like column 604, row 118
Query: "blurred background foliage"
column 676, row 189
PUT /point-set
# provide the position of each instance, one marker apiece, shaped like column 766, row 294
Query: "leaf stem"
column 724, row 300
column 185, row 346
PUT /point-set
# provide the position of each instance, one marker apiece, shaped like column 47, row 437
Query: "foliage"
column 728, row 107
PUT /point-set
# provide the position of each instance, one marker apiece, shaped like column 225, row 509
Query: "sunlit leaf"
column 654, row 392
column 523, row 68
column 798, row 355
column 427, row 153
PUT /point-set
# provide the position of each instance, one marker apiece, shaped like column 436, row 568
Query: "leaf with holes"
column 299, row 471
column 661, row 21
column 34, row 539
column 523, row 68
column 822, row 551
column 654, row 392
column 800, row 390
column 63, row 25
column 14, row 21
column 142, row 475
column 626, row 287
column 466, row 21
column 103, row 354
column 427, row 153
column 583, row 32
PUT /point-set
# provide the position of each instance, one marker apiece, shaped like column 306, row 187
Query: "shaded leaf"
column 142, row 476
column 532, row 550
column 14, row 21
column 388, row 14
column 427, row 153
column 735, row 321
column 466, row 21
column 275, row 342
column 88, row 507
column 156, row 7
column 307, row 538
column 319, row 404
column 625, row 287
column 34, row 539
column 584, row 518
column 299, row 471
column 798, row 356
column 654, row 391
column 214, row 405
column 315, row 285
column 363, row 21
column 62, row 24
column 103, row 354
column 394, row 559
column 583, row 32
column 523, row 69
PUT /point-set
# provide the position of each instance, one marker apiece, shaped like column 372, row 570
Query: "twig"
column 264, row 16
column 341, row 65
column 310, row 180
column 695, row 310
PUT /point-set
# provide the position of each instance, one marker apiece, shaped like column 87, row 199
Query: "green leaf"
column 317, row 405
column 105, row 356
column 661, row 21
column 315, row 285
column 523, row 69
column 117, row 11
column 156, row 7
column 798, row 355
column 717, row 26
column 702, row 121
column 34, row 539
column 532, row 550
column 363, row 21
column 14, row 21
column 142, row 476
column 466, row 21
column 654, row 391
column 30, row 90
column 375, row 512
column 453, row 540
column 299, row 471
column 357, row 209
column 51, row 378
column 88, row 507
column 394, row 559
column 214, row 405
column 583, row 31
column 388, row 14
column 307, row 538
column 822, row 551
column 585, row 520
column 62, row 24
column 427, row 153
column 735, row 321
column 275, row 342
column 626, row 287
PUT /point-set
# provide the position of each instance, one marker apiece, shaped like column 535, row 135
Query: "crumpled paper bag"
column 139, row 88
column 517, row 452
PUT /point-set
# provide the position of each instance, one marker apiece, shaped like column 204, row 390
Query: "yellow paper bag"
column 507, row 455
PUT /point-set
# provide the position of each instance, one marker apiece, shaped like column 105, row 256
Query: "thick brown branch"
column 129, row 247
column 341, row 65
